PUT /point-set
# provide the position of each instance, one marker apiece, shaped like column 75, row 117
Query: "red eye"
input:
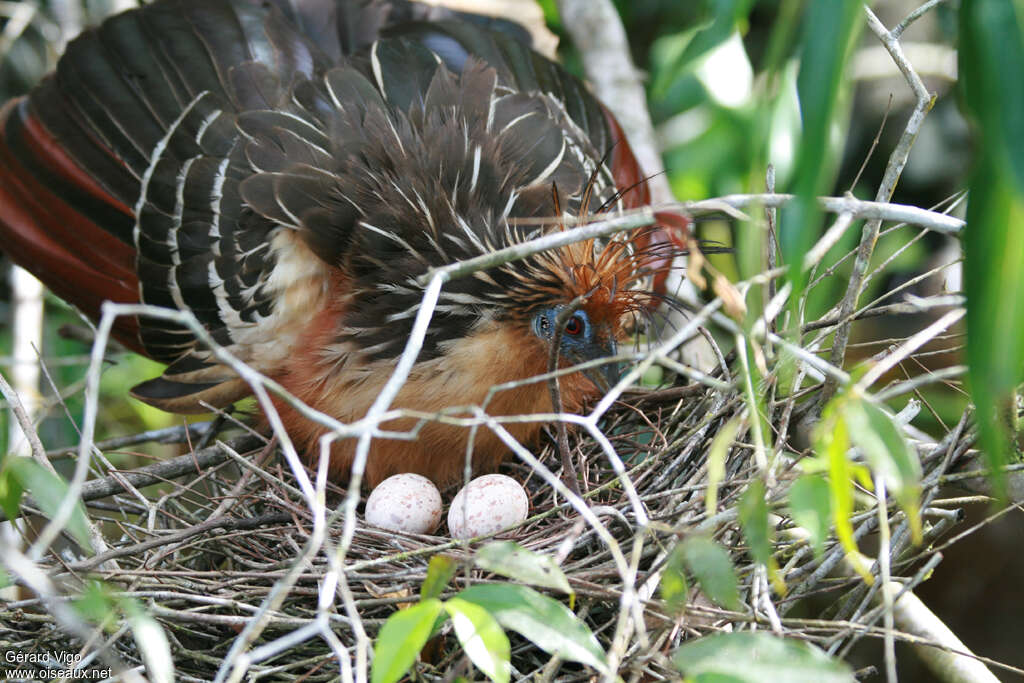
column 574, row 326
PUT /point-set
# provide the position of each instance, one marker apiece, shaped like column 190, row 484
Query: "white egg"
column 487, row 505
column 405, row 502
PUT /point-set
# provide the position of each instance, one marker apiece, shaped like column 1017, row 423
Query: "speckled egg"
column 405, row 502
column 487, row 505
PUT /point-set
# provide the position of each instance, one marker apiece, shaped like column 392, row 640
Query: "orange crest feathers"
column 609, row 279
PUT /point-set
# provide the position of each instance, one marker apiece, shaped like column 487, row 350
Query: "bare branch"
column 893, row 170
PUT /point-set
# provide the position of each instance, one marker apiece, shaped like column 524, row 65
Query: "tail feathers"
column 188, row 398
column 189, row 383
column 40, row 228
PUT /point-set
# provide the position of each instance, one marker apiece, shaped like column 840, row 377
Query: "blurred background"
column 721, row 85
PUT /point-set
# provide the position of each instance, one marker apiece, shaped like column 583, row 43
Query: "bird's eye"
column 574, row 326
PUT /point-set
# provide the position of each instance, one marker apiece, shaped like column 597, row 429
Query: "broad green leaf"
column 516, row 562
column 756, row 658
column 991, row 58
column 717, row 21
column 48, row 490
column 878, row 437
column 809, row 505
column 545, row 622
column 888, row 453
column 829, row 29
column 991, row 55
column 784, row 27
column 995, row 311
column 439, row 572
column 11, row 491
column 832, row 441
column 481, row 638
column 716, row 462
column 726, row 14
column 710, row 565
column 401, row 638
column 673, row 586
column 758, row 531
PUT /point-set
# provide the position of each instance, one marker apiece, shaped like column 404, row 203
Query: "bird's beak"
column 607, row 375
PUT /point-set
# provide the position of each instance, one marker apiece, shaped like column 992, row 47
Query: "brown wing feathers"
column 178, row 147
column 80, row 261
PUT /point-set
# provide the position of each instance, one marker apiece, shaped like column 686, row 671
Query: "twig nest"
column 405, row 502
column 487, row 505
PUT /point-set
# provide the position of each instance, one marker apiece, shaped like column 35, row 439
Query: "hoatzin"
column 287, row 170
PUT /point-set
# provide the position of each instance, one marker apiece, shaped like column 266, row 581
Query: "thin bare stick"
column 908, row 347
column 25, row 422
column 885, row 576
column 914, row 16
column 190, row 463
column 859, row 208
column 166, row 435
column 568, row 469
column 893, row 170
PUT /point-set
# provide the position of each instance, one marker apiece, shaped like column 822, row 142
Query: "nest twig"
column 205, row 577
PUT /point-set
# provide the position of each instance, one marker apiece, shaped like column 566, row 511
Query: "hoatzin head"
column 289, row 180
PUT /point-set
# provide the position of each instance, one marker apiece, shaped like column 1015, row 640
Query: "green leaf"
column 481, row 637
column 11, row 491
column 809, row 505
column 674, row 588
column 758, row 531
column 727, row 13
column 710, row 565
column 401, row 638
column 995, row 311
column 716, row 462
column 516, row 562
column 991, row 54
column 439, row 572
column 882, row 443
column 753, row 516
column 48, row 490
column 545, row 622
column 888, row 453
column 832, row 441
column 757, row 657
column 829, row 32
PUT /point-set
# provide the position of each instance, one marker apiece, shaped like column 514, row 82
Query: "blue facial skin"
column 579, row 342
